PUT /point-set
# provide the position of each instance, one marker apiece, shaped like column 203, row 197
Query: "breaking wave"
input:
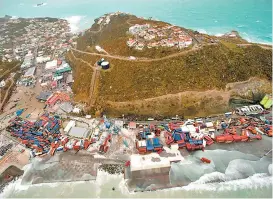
column 228, row 171
column 74, row 23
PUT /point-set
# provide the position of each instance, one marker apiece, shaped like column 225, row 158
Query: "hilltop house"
column 137, row 28
column 131, row 42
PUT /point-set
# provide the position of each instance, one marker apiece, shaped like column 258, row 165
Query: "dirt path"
column 6, row 94
column 92, row 85
column 211, row 93
column 95, row 75
column 80, row 59
column 194, row 48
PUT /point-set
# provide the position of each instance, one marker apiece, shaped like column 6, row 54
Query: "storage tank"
column 105, row 65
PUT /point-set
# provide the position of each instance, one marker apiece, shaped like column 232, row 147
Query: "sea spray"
column 74, row 23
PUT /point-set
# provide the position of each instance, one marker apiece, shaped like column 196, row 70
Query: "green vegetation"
column 211, row 67
column 6, row 68
column 82, row 75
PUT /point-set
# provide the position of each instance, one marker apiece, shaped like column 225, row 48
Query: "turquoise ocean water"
column 252, row 18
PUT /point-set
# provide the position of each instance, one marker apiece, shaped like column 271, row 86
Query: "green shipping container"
column 264, row 100
column 268, row 104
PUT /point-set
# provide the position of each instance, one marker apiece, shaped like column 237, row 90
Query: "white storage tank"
column 105, row 65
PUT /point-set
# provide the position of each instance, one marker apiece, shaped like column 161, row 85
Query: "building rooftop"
column 150, row 161
column 79, row 132
column 30, row 72
column 44, row 96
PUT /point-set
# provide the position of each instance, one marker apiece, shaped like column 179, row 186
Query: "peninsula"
column 157, row 69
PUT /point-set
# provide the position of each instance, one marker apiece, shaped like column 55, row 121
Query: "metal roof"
column 44, row 96
column 30, row 72
column 79, row 132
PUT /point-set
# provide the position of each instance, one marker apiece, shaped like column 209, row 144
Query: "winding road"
column 194, row 48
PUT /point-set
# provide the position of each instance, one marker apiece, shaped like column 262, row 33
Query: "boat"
column 40, row 4
column 205, row 160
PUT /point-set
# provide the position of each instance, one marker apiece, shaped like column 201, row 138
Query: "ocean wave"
column 74, row 22
column 14, row 17
column 255, row 181
column 253, row 39
column 219, row 34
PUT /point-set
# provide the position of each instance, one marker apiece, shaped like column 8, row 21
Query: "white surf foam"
column 202, row 31
column 219, row 34
column 210, row 177
column 14, row 17
column 74, row 22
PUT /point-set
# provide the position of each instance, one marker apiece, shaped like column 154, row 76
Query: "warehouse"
column 149, row 165
column 30, row 73
column 51, row 65
column 43, row 96
column 79, row 132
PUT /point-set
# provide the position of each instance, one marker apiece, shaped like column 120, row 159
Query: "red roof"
column 132, row 125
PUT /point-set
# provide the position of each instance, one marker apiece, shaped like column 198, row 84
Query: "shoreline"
column 78, row 26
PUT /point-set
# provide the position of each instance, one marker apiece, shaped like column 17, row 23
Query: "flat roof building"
column 149, row 165
column 44, row 96
column 30, row 72
column 79, row 132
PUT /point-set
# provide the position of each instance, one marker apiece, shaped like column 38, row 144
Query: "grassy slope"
column 209, row 68
column 82, row 75
column 5, row 68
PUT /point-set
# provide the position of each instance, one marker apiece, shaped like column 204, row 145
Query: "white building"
column 30, row 73
column 2, row 84
column 149, row 165
column 51, row 65
column 137, row 28
column 42, row 59
column 70, row 124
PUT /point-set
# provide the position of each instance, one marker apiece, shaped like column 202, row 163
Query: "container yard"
column 48, row 135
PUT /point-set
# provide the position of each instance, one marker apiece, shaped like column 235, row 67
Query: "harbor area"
column 148, row 154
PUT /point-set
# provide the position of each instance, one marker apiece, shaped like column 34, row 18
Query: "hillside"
column 130, row 86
